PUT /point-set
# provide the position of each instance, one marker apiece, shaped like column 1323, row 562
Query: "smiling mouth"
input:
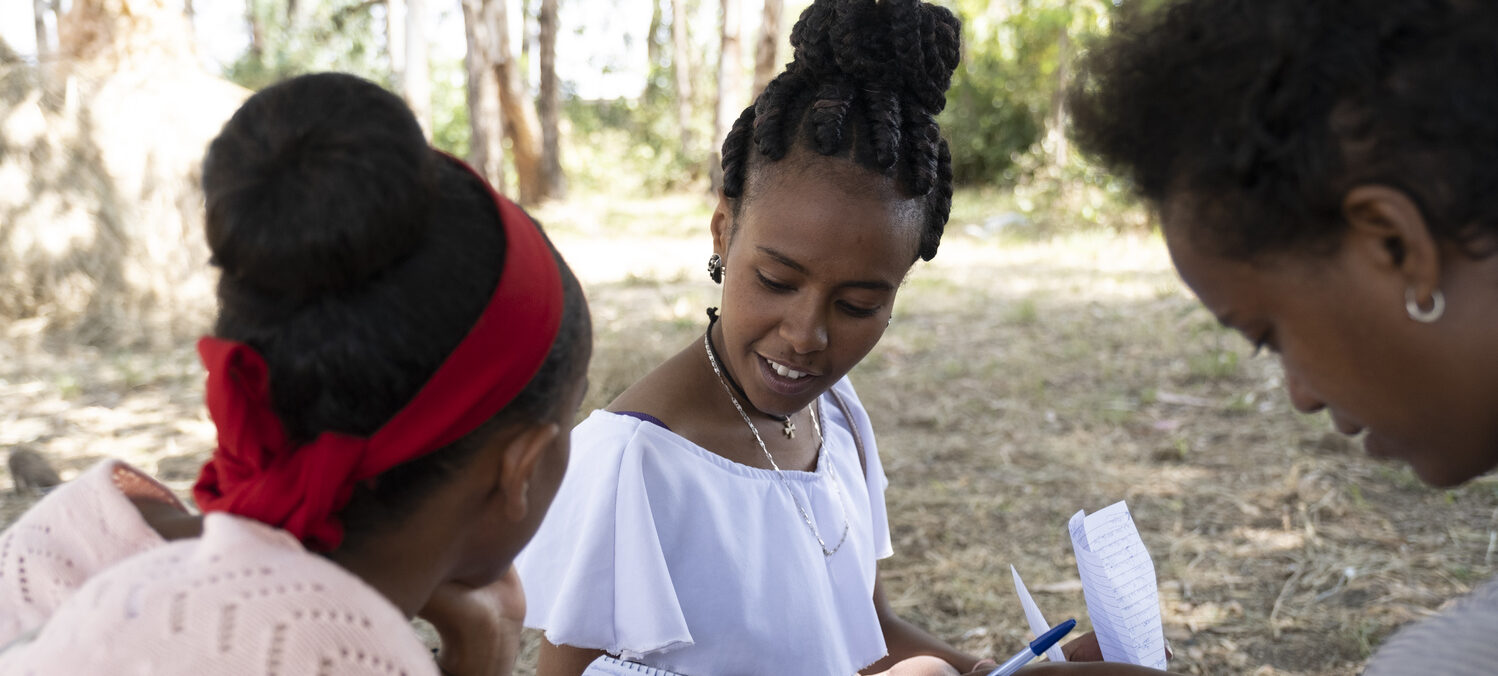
column 785, row 371
column 784, row 380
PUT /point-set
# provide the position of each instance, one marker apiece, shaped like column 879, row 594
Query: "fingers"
column 1083, row 648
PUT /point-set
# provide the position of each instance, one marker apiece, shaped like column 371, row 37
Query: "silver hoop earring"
column 715, row 268
column 1412, row 306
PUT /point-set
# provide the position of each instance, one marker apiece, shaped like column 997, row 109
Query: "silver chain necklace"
column 712, row 360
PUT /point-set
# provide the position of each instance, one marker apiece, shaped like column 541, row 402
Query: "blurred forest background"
column 1048, row 360
column 109, row 104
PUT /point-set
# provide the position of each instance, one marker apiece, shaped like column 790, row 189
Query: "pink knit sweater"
column 86, row 587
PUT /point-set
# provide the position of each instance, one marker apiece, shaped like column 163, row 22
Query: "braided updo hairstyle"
column 867, row 81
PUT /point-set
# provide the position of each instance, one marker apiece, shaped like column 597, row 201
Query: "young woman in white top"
column 724, row 514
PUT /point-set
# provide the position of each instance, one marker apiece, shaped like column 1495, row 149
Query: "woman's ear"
column 1386, row 226
column 722, row 225
column 521, row 457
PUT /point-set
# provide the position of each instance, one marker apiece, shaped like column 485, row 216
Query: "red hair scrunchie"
column 256, row 473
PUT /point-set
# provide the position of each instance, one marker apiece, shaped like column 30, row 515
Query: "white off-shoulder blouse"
column 661, row 552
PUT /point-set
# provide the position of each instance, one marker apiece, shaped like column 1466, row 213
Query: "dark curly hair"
column 866, row 82
column 1266, row 112
column 354, row 259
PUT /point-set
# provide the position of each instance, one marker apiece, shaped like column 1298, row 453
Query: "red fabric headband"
column 255, row 473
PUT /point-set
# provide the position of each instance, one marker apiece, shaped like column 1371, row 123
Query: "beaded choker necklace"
column 787, row 427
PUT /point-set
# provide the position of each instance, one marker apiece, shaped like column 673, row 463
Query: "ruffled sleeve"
column 874, row 475
column 596, row 574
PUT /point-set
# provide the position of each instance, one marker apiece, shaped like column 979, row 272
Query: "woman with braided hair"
column 725, row 513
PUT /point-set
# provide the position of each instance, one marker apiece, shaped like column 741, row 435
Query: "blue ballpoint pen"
column 1036, row 649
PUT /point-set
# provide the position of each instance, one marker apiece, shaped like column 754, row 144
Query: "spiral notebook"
column 609, row 666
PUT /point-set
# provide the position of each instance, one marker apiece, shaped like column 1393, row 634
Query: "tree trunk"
column 395, row 40
column 257, row 32
column 653, row 46
column 485, row 118
column 552, row 181
column 730, row 102
column 45, row 53
column 1060, row 148
column 520, row 122
column 417, row 84
column 766, row 65
column 39, row 10
column 681, row 67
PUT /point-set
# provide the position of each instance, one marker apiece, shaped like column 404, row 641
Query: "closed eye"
column 772, row 284
column 857, row 310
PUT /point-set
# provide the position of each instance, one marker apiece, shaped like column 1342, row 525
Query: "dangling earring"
column 1412, row 306
column 715, row 268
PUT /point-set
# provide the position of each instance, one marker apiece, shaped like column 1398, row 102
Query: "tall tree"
column 766, row 65
column 395, row 40
column 518, row 118
column 730, row 91
column 46, row 52
column 681, row 68
column 485, row 117
column 520, row 123
column 417, row 81
column 1057, row 146
column 553, row 184
column 39, row 11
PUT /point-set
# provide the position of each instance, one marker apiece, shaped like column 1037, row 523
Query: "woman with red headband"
column 398, row 354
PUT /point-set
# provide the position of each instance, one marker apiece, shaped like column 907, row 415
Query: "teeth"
column 785, row 372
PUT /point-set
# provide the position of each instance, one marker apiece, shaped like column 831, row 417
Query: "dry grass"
column 1019, row 383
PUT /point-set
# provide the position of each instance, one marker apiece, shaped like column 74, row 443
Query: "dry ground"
column 1020, row 382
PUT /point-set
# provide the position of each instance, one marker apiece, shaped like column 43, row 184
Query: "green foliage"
column 341, row 35
column 625, row 146
column 1004, row 96
column 986, row 121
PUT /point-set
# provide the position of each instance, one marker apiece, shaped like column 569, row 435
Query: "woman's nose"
column 805, row 328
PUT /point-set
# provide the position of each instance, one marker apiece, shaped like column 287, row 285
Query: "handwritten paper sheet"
column 1118, row 581
column 1037, row 622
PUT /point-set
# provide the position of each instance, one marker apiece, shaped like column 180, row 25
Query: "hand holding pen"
column 1036, row 648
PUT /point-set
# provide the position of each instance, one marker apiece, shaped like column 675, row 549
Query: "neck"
column 715, row 337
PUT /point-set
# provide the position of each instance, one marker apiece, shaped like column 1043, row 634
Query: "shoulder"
column 1456, row 641
column 671, row 391
column 82, row 527
column 243, row 596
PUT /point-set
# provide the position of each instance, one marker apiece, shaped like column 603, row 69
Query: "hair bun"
column 906, row 46
column 316, row 184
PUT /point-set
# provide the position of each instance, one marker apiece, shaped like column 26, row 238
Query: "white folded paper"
column 1118, row 583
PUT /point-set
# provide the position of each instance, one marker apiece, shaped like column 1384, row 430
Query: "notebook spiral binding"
column 611, row 666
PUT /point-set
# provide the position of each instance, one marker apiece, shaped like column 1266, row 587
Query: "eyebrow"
column 873, row 285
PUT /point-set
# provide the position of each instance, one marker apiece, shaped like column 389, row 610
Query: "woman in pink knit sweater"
column 398, row 354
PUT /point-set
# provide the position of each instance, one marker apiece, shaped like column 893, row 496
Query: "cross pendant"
column 789, row 430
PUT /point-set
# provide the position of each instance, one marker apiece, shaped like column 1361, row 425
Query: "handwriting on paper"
column 1118, row 582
